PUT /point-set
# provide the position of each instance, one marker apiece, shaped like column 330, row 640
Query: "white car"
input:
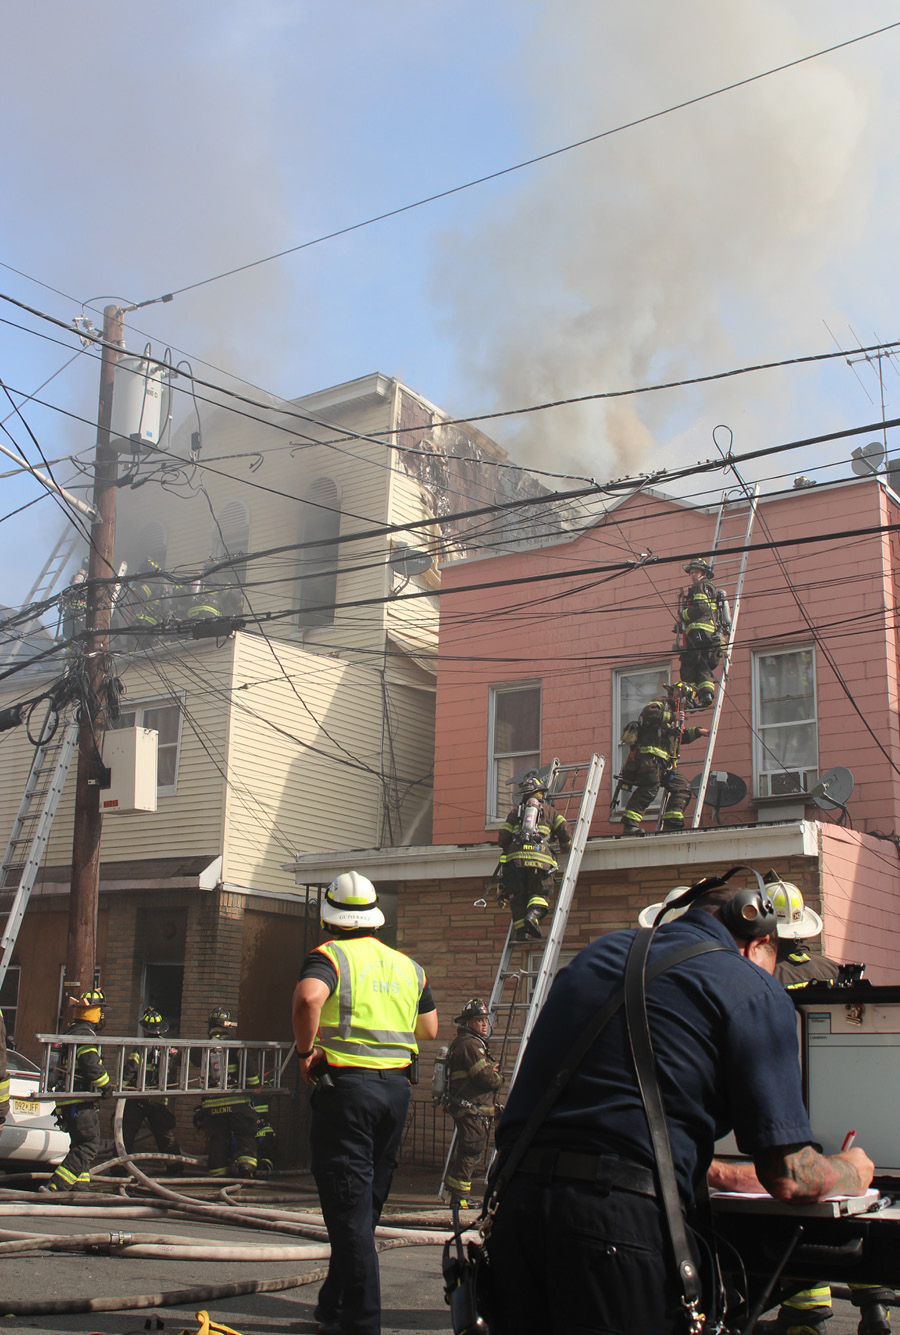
column 30, row 1131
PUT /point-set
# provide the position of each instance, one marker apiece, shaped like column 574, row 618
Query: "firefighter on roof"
column 660, row 732
column 700, row 621
column 527, row 862
column 80, row 1118
column 472, row 1081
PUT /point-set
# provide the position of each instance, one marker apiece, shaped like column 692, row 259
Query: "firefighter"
column 205, row 599
column 155, row 1111
column 149, row 599
column 265, row 1132
column 699, row 624
column 473, row 1080
column 73, row 605
column 661, row 731
column 80, row 1118
column 527, row 863
column 226, row 1119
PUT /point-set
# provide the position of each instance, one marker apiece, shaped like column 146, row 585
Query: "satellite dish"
column 867, row 459
column 833, row 789
column 722, row 790
column 410, row 560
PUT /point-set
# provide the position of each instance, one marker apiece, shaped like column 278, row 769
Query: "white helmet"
column 647, row 916
column 795, row 920
column 351, row 903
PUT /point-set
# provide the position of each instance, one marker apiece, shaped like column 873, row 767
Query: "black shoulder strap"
column 645, row 1068
column 573, row 1059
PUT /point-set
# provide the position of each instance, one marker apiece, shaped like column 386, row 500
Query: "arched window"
column 144, row 548
column 231, row 538
column 317, row 564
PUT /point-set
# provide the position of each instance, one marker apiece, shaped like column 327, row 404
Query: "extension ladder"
column 519, row 993
column 734, row 526
column 56, row 563
column 31, row 828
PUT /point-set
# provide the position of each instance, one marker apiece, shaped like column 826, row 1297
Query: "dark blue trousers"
column 354, row 1140
column 568, row 1258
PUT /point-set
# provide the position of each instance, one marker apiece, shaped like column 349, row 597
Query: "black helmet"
column 153, row 1024
column 532, row 783
column 474, row 1009
column 698, row 563
column 89, row 1005
column 220, row 1020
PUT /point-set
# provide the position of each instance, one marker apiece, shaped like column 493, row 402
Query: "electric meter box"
column 130, row 756
column 140, row 406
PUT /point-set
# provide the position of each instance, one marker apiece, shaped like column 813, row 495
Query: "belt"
column 604, row 1170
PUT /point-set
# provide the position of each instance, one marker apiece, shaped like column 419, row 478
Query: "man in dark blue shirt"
column 578, row 1240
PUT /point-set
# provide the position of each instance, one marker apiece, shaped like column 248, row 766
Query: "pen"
column 848, row 1140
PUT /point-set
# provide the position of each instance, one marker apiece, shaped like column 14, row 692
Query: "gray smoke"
column 690, row 244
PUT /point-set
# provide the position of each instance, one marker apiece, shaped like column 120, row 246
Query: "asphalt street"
column 412, row 1290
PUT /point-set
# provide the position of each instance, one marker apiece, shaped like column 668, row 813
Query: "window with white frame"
column 164, row 717
column 317, row 566
column 9, row 999
column 785, row 733
column 632, row 689
column 514, row 742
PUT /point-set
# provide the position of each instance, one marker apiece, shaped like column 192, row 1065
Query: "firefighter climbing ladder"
column 516, row 1014
column 734, row 525
column 31, row 829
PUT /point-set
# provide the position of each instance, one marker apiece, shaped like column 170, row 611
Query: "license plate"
column 29, row 1107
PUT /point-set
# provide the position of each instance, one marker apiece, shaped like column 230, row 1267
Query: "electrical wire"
column 533, row 161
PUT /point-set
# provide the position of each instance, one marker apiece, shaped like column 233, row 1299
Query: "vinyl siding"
column 303, row 771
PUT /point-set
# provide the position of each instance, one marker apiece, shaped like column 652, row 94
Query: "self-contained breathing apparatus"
column 529, row 838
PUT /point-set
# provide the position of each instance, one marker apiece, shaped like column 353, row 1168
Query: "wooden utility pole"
column 84, row 892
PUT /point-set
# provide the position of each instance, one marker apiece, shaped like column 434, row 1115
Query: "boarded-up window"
column 317, row 568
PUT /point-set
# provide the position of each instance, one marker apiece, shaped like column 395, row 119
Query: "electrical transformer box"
column 130, row 756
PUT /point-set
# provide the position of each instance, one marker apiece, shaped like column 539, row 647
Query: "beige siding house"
column 306, row 535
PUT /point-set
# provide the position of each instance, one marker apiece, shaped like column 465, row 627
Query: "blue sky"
column 156, row 148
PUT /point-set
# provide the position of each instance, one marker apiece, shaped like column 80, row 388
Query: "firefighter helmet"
column 698, row 563
column 474, row 1009
column 532, row 783
column 220, row 1021
column 351, row 903
column 89, row 1005
column 153, row 1024
column 647, row 916
column 795, row 920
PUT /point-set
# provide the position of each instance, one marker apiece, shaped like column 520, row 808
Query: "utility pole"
column 84, row 892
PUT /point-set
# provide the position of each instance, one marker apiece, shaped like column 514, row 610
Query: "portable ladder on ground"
column 519, row 993
column 31, row 829
column 734, row 526
column 68, row 543
column 194, row 1066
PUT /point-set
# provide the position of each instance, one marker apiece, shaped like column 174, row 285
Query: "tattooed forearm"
column 800, row 1173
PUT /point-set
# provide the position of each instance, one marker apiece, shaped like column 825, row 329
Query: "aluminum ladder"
column 520, row 1012
column 735, row 513
column 55, row 565
column 31, row 829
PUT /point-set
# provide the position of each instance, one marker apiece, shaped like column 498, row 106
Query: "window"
column 9, row 999
column 164, row 717
column 317, row 567
column 231, row 538
column 145, row 548
column 785, row 736
column 632, row 689
column 514, row 741
column 161, row 988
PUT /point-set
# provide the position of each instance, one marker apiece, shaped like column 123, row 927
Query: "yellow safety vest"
column 370, row 1018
